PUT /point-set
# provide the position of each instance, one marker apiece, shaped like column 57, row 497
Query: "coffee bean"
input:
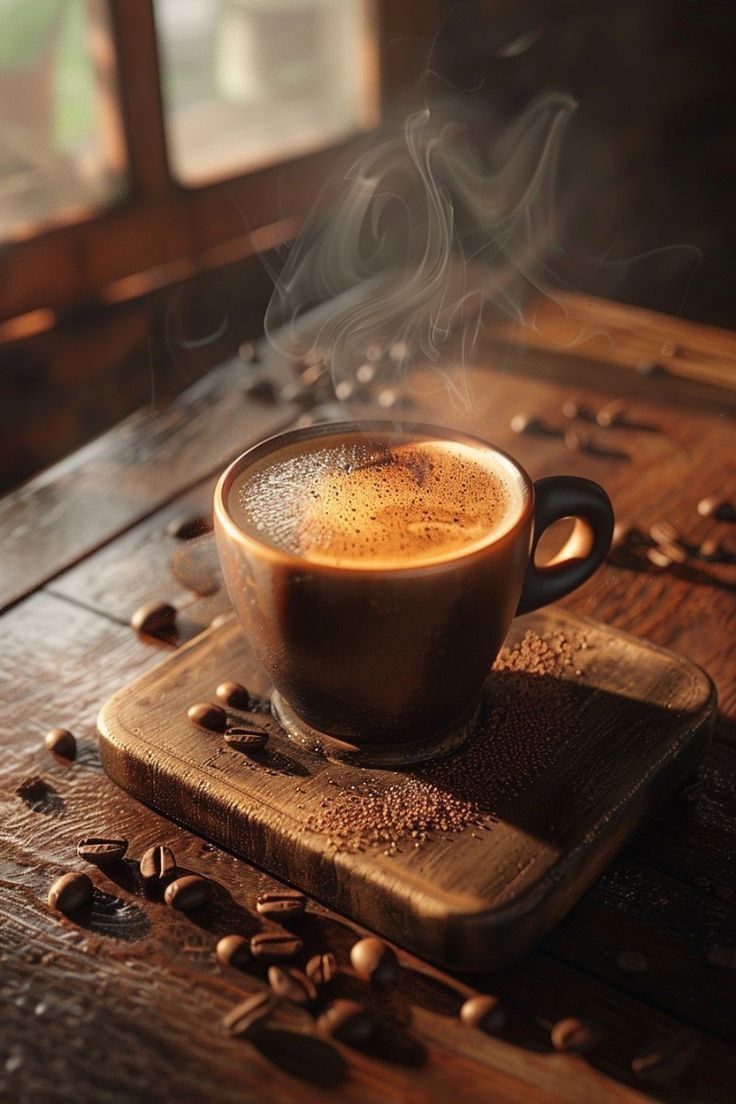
column 209, row 716
column 61, row 742
column 574, row 1034
column 233, row 950
column 322, row 968
column 658, row 558
column 271, row 946
column 189, row 526
column 674, row 552
column 365, row 373
column 100, row 851
column 722, row 957
column 527, row 423
column 157, row 864
column 291, row 984
column 233, row 694
column 485, row 1012
column 70, row 892
column 632, row 962
column 248, row 1017
column 189, row 892
column 576, row 441
column 246, row 738
column 663, row 532
column 247, row 352
column 154, row 618
column 709, row 549
column 613, row 413
column 666, row 1062
column 285, row 902
column 575, row 408
column 261, row 389
column 717, row 508
column 347, row 1021
column 375, row 961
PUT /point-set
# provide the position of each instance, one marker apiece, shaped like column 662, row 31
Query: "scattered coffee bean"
column 322, row 968
column 260, row 388
column 347, row 1021
column 157, row 864
column 375, row 961
column 576, row 1035
column 674, row 552
column 527, row 423
column 154, row 618
column 710, row 549
column 662, row 532
column 722, row 957
column 613, row 413
column 70, row 892
column 344, row 390
column 291, row 984
column 485, row 1012
column 285, row 902
column 399, row 351
column 666, row 1062
column 365, row 373
column 208, row 716
column 233, row 694
column 248, row 1017
column 233, row 950
column 575, row 408
column 632, row 962
column 247, row 738
column 576, row 441
column 717, row 508
column 247, row 352
column 651, row 368
column 271, row 946
column 100, row 851
column 189, row 892
column 187, row 527
column 658, row 558
column 61, row 742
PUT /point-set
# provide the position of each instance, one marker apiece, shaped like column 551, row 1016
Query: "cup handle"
column 566, row 496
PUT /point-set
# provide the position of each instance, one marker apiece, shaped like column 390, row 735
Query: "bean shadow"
column 40, row 796
column 112, row 917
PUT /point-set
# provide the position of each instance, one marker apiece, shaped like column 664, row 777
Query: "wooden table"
column 127, row 1007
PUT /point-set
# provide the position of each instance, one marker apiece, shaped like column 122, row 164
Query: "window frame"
column 164, row 231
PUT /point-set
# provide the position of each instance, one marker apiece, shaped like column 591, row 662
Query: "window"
column 251, row 82
column 60, row 149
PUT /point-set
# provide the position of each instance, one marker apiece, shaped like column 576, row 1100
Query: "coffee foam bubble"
column 367, row 502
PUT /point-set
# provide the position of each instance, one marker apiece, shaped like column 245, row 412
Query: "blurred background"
column 153, row 152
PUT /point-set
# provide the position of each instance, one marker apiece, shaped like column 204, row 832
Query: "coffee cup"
column 376, row 572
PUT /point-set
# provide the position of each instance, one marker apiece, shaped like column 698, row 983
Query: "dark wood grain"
column 71, row 509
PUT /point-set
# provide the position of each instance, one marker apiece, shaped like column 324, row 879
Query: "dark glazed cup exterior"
column 376, row 656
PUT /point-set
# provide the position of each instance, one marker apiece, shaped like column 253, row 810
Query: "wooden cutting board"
column 584, row 732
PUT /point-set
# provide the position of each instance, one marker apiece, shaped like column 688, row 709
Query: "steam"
column 430, row 233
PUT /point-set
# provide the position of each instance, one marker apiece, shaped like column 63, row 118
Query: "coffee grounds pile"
column 532, row 709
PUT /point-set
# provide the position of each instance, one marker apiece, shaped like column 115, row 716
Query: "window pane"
column 59, row 139
column 252, row 82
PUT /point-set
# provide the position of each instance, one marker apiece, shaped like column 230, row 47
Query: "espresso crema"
column 377, row 501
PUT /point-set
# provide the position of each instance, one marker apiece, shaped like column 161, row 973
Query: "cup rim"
column 291, row 436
